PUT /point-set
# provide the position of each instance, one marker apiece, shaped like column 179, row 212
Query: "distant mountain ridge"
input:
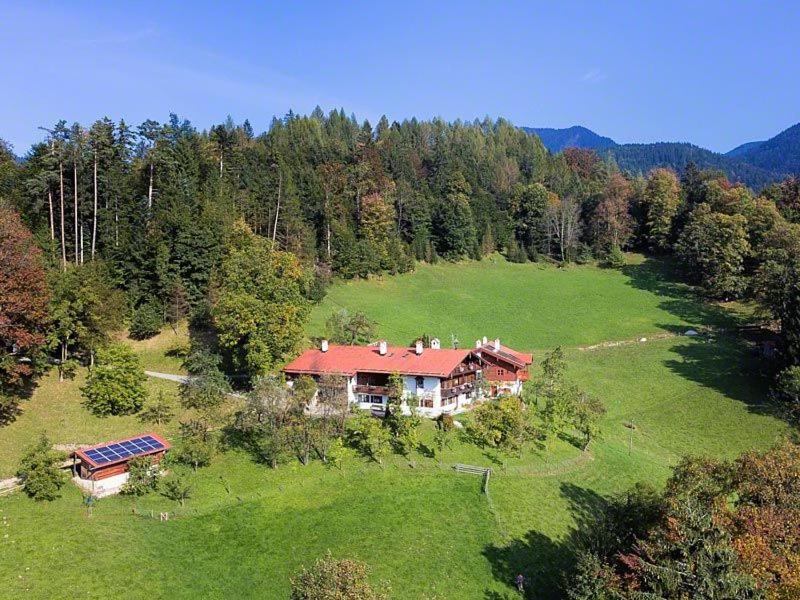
column 744, row 148
column 780, row 153
column 756, row 164
column 577, row 136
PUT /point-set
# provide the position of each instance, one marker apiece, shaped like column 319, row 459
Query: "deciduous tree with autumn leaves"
column 24, row 317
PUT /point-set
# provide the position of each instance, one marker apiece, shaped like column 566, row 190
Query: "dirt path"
column 641, row 340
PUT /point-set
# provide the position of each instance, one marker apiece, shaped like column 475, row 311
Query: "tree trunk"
column 116, row 222
column 75, row 206
column 94, row 213
column 63, row 360
column 150, row 191
column 50, row 205
column 328, row 224
column 81, row 243
column 278, row 207
column 63, row 233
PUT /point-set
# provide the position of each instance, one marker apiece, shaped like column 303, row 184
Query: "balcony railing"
column 464, row 388
column 377, row 390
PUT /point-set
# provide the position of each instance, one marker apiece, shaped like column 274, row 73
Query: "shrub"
column 196, row 450
column 159, row 412
column 40, row 471
column 116, row 384
column 615, row 259
column 175, row 487
column 147, row 321
column 331, row 578
column 142, row 477
column 584, row 254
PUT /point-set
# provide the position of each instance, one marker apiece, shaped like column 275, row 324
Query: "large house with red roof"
column 442, row 379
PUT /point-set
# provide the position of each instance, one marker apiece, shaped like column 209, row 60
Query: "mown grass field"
column 528, row 306
column 428, row 531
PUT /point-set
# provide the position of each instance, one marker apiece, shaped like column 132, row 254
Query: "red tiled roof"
column 348, row 360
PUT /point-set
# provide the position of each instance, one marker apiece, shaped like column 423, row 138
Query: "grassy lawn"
column 427, row 530
column 155, row 352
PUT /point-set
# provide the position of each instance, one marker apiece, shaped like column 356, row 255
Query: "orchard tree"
column 500, row 425
column 175, row 487
column 370, row 436
column 330, row 578
column 115, row 385
column 24, row 298
column 443, row 437
column 351, row 329
column 587, row 413
column 263, row 422
column 160, row 411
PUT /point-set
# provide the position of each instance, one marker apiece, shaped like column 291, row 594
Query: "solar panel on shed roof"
column 123, row 450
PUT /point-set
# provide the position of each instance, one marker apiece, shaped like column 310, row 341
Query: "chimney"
column 323, row 345
column 382, row 348
column 485, row 340
column 418, row 347
column 497, row 344
column 435, row 344
column 477, row 344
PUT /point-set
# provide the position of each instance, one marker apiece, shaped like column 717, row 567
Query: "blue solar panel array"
column 124, row 450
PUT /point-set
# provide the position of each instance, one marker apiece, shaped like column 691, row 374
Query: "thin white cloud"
column 593, row 76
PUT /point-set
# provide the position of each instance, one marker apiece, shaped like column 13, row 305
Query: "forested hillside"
column 780, row 154
column 756, row 164
column 640, row 158
column 557, row 140
column 743, row 148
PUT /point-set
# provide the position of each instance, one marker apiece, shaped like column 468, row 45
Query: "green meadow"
column 427, row 530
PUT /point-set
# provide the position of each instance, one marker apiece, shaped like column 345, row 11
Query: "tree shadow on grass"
column 661, row 277
column 724, row 361
column 544, row 562
column 728, row 365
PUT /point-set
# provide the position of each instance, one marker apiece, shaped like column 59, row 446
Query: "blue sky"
column 713, row 73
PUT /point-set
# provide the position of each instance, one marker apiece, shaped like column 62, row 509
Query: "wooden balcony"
column 464, row 369
column 377, row 390
column 464, row 388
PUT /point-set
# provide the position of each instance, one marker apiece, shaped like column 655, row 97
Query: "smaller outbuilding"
column 110, row 459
